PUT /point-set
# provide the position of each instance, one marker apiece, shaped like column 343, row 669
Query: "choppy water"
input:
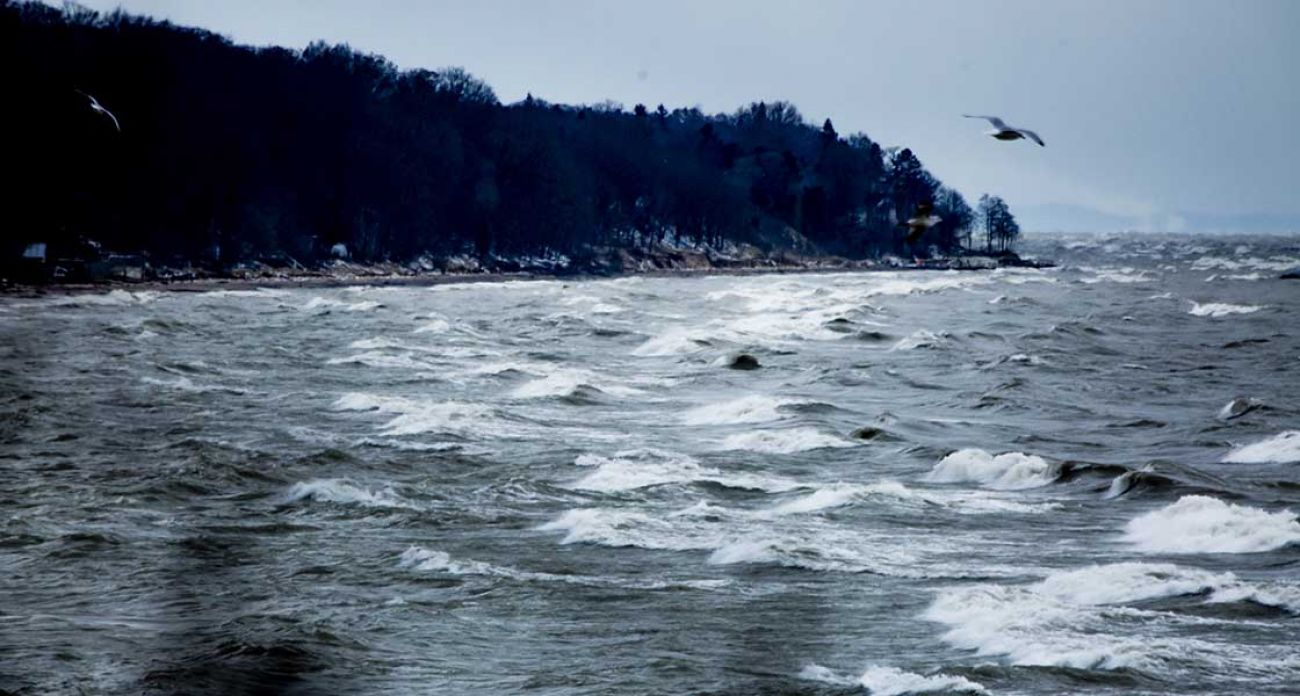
column 557, row 487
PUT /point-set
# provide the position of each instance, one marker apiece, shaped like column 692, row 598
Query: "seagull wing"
column 118, row 126
column 1031, row 135
column 997, row 122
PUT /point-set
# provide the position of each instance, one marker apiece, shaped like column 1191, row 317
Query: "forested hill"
column 239, row 152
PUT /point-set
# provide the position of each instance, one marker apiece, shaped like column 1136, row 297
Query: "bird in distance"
column 1002, row 131
column 99, row 108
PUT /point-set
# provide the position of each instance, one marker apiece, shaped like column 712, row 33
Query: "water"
column 558, row 487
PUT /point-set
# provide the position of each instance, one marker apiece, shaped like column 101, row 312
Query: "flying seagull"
column 922, row 221
column 1002, row 131
column 99, row 108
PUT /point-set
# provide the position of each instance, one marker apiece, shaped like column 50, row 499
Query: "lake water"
column 1015, row 481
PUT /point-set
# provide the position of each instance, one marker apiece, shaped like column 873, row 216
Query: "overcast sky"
column 1156, row 114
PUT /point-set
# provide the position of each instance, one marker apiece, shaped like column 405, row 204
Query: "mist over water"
column 1018, row 481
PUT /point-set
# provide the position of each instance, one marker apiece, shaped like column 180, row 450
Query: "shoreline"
column 430, row 279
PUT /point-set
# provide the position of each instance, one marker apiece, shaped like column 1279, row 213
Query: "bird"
column 921, row 223
column 99, row 108
column 1002, row 131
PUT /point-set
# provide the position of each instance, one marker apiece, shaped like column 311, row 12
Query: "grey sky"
column 1157, row 114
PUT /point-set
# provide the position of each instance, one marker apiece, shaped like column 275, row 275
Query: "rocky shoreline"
column 658, row 262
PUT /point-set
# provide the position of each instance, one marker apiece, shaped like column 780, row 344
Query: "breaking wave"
column 1282, row 448
column 1010, row 471
column 1221, row 309
column 891, row 681
column 1201, row 524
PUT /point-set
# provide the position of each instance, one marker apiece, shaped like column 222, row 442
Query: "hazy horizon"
column 1164, row 116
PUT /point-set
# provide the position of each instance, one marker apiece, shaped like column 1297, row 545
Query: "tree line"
column 230, row 152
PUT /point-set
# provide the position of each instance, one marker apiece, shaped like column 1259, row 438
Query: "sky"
column 1163, row 115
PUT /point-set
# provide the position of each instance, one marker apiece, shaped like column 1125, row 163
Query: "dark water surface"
column 558, row 488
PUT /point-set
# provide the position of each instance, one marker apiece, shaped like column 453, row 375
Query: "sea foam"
column 891, row 681
column 1282, row 448
column 1221, row 309
column 1201, row 524
column 1064, row 620
column 1010, row 471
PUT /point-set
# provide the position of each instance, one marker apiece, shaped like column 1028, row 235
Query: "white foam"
column 338, row 490
column 1201, row 524
column 784, row 441
column 1067, row 618
column 675, row 341
column 641, row 468
column 568, row 383
column 1009, row 471
column 1221, row 309
column 1116, row 275
column 326, row 304
column 921, row 339
column 1273, row 263
column 756, row 408
column 374, row 358
column 428, row 560
column 412, row 417
column 113, row 298
column 434, row 326
column 1282, row 448
column 891, row 681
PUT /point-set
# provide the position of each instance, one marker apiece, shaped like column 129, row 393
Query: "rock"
column 866, row 432
column 743, row 361
column 339, row 251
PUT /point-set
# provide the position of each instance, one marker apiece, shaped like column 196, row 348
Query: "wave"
column 340, row 490
column 756, row 408
column 411, row 417
column 1201, row 524
column 185, row 384
column 1115, row 275
column 921, row 339
column 784, row 441
column 113, row 298
column 428, row 560
column 1282, row 448
column 570, row 383
column 1063, row 619
column 642, row 468
column 1221, row 309
column 676, row 341
column 325, row 304
column 1273, row 263
column 891, row 681
column 1009, row 471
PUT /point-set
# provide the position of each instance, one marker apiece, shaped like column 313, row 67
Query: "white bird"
column 99, row 108
column 1002, row 131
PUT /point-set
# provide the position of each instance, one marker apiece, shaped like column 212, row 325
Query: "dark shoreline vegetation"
column 241, row 162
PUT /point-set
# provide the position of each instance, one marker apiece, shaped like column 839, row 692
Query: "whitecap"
column 784, row 441
column 339, row 490
column 428, row 560
column 1065, row 620
column 1221, row 309
column 1201, row 524
column 756, row 408
column 1009, row 471
column 412, row 417
column 642, row 468
column 891, row 681
column 569, row 382
column 1282, row 448
column 921, row 339
column 325, row 304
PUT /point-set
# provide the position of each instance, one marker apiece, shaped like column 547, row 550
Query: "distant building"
column 35, row 252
